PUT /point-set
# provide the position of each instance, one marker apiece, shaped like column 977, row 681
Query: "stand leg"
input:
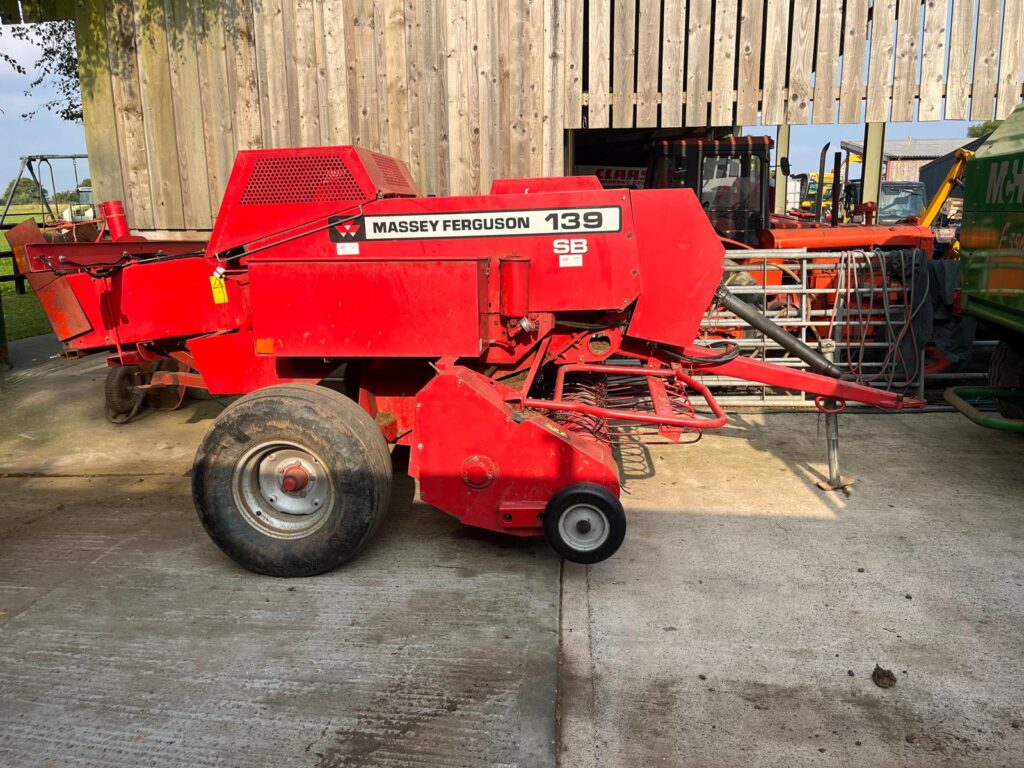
column 835, row 480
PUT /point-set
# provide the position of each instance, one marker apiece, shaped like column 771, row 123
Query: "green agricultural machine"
column 992, row 270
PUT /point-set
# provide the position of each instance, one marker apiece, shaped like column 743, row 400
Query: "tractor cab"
column 730, row 176
column 897, row 201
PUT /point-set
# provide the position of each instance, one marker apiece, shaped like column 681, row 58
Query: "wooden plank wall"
column 466, row 91
column 463, row 90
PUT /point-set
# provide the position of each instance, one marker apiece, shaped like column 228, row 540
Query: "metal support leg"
column 921, row 373
column 836, row 481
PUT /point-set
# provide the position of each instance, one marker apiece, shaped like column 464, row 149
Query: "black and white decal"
column 535, row 221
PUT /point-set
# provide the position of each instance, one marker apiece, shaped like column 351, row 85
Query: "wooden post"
column 781, row 182
column 4, row 358
column 871, row 169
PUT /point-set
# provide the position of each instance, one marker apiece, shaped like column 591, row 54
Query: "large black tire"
column 262, row 526
column 584, row 523
column 1006, row 371
column 119, row 391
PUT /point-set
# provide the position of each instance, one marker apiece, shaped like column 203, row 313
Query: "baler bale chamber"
column 507, row 339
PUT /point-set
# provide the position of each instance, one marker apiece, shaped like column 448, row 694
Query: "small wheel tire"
column 1006, row 371
column 241, row 498
column 585, row 523
column 119, row 391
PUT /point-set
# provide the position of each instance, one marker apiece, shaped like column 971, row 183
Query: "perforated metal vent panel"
column 309, row 179
column 390, row 170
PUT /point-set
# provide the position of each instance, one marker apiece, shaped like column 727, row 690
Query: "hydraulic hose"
column 818, row 363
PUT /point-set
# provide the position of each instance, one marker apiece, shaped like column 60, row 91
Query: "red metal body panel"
column 545, row 184
column 230, row 365
column 605, row 277
column 681, row 265
column 92, row 307
column 370, row 308
column 58, row 299
column 147, row 302
column 462, row 418
column 853, row 237
column 270, row 189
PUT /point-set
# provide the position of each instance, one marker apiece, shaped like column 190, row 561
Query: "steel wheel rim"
column 584, row 527
column 269, row 504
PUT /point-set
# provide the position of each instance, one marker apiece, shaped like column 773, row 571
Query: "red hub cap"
column 294, row 480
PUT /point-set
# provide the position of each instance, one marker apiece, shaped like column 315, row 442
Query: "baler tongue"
column 826, row 379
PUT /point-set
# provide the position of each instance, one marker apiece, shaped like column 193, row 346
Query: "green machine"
column 992, row 270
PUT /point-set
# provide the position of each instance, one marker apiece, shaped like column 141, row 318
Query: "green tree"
column 26, row 191
column 56, row 67
column 86, row 182
column 67, row 196
column 981, row 130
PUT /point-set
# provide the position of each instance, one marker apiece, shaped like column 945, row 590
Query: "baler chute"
column 506, row 339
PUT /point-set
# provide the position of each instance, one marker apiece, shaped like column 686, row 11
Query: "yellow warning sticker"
column 219, row 289
column 555, row 429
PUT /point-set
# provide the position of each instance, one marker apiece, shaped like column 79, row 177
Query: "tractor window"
column 896, row 204
column 668, row 172
column 730, row 183
column 731, row 195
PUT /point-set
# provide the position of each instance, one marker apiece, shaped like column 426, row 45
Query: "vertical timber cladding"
column 466, row 91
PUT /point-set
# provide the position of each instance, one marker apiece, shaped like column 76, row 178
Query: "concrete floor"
column 723, row 632
column 128, row 639
column 741, row 620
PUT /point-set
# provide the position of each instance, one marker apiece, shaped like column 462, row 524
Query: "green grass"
column 23, row 316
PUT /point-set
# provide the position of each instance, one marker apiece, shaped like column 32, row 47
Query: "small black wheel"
column 585, row 523
column 1006, row 371
column 292, row 480
column 119, row 391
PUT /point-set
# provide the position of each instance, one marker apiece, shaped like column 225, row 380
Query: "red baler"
column 506, row 339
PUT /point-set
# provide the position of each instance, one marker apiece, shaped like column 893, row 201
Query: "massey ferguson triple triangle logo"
column 345, row 230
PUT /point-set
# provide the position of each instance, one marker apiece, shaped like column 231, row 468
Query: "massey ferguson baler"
column 507, row 339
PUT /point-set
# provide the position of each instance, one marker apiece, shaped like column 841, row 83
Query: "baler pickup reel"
column 507, row 341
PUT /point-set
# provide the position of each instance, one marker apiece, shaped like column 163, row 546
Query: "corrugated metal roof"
column 911, row 149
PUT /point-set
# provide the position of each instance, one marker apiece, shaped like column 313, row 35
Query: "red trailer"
column 505, row 338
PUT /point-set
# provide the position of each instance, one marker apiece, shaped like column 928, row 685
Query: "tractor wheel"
column 292, row 480
column 584, row 523
column 119, row 391
column 1006, row 371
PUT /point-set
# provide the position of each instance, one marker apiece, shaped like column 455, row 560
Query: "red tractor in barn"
column 869, row 268
column 507, row 339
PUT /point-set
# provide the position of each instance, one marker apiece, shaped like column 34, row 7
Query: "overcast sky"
column 47, row 134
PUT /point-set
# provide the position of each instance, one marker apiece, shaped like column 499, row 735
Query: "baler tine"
column 507, row 339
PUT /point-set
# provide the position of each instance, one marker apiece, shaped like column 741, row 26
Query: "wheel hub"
column 584, row 527
column 283, row 490
column 294, row 479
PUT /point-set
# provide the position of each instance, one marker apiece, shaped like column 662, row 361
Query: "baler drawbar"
column 508, row 340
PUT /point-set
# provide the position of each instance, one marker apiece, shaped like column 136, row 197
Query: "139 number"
column 572, row 220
